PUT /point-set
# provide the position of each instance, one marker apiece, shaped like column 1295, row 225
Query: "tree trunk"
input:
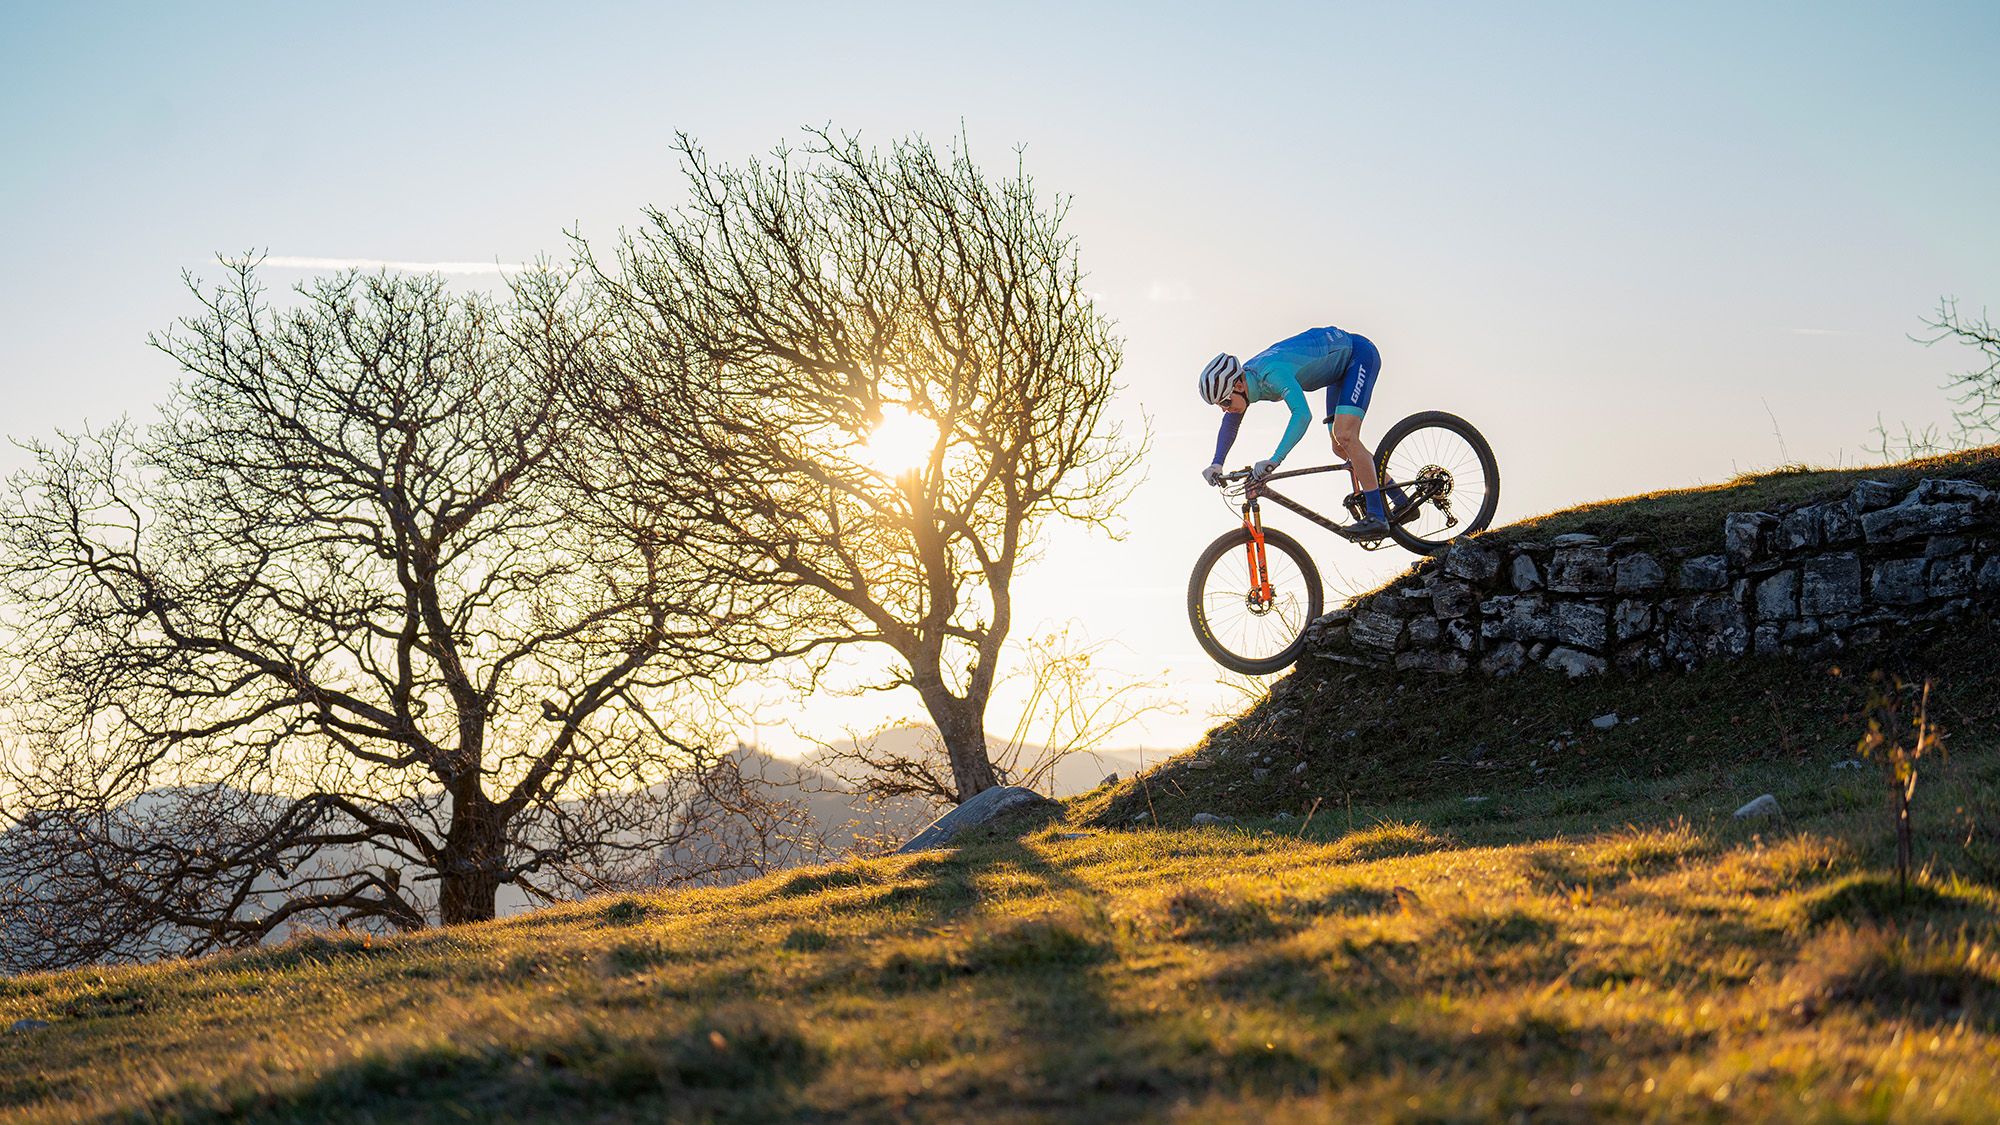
column 964, row 731
column 469, row 877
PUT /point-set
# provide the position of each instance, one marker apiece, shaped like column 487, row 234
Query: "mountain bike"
column 1255, row 589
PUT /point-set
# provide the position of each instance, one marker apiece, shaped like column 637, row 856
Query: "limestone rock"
column 1830, row 584
column 1453, row 599
column 1766, row 805
column 1746, row 536
column 983, row 809
column 1639, row 571
column 1581, row 625
column 1524, row 574
column 1868, row 495
column 1778, row 596
column 1370, row 629
column 1471, row 561
column 1574, row 539
column 1704, row 573
column 1633, row 618
column 1573, row 662
column 1898, row 581
column 1580, row 570
column 1210, row 820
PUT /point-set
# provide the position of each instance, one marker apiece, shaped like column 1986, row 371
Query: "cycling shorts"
column 1351, row 394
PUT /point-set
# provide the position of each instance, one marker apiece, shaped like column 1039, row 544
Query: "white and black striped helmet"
column 1217, row 377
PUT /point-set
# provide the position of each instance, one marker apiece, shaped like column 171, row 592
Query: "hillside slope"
column 1335, row 731
column 1476, row 905
column 1574, row 959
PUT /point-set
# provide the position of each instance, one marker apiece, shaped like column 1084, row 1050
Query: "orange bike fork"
column 1253, row 551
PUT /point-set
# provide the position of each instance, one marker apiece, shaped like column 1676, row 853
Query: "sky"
column 1640, row 246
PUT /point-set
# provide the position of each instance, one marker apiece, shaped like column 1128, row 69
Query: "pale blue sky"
column 1610, row 234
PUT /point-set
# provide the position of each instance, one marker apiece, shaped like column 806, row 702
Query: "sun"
column 900, row 443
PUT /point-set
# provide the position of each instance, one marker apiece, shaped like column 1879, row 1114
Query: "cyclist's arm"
column 1295, row 398
column 1226, row 436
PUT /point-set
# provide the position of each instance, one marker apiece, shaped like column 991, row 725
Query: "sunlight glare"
column 900, row 443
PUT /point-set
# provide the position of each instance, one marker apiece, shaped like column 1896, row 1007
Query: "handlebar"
column 1243, row 474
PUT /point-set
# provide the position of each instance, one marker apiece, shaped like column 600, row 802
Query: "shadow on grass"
column 1879, row 899
column 733, row 1064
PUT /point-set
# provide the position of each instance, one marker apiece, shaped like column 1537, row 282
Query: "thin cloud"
column 286, row 262
column 1822, row 332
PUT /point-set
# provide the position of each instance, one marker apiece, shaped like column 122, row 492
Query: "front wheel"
column 1446, row 470
column 1244, row 627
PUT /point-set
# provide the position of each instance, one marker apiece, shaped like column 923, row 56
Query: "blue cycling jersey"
column 1342, row 363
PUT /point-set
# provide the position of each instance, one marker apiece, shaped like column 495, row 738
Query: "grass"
column 1445, row 899
column 1634, row 952
column 1690, row 519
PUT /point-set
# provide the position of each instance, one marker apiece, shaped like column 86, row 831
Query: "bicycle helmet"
column 1217, row 377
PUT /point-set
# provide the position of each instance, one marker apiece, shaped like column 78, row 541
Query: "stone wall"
column 1812, row 580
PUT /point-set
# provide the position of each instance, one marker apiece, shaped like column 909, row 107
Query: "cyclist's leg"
column 1347, row 405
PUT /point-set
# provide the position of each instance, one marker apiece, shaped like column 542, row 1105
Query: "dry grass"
column 1656, row 964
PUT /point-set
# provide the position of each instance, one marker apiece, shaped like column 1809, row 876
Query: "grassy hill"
column 1595, row 936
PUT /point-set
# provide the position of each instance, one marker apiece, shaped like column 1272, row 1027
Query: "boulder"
column 1210, row 820
column 994, row 804
column 1575, row 539
column 1766, row 805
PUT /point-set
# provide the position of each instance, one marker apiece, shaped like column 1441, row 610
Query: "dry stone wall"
column 1812, row 580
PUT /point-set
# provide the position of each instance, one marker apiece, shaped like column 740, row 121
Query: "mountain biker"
column 1346, row 365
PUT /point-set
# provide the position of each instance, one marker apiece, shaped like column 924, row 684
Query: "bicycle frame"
column 1253, row 521
column 1254, row 492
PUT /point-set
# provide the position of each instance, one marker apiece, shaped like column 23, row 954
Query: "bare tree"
column 351, row 635
column 1975, row 393
column 798, row 317
column 1070, row 705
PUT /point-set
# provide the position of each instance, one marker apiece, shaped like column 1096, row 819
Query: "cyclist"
column 1346, row 365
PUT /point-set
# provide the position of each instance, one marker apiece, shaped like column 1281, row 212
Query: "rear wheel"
column 1244, row 630
column 1448, row 473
